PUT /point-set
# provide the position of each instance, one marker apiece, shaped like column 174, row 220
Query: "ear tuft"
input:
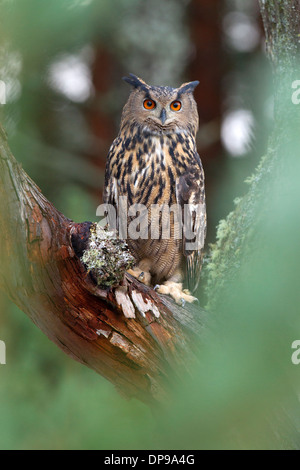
column 136, row 82
column 188, row 87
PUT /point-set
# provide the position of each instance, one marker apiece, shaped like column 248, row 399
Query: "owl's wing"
column 190, row 195
column 110, row 193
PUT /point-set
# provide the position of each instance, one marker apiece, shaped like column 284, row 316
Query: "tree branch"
column 130, row 335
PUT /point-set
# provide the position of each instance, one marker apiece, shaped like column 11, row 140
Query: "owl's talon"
column 142, row 276
column 156, row 287
column 174, row 289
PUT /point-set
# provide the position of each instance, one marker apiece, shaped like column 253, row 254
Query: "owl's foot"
column 140, row 275
column 174, row 289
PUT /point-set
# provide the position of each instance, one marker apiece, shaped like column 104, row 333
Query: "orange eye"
column 149, row 104
column 175, row 106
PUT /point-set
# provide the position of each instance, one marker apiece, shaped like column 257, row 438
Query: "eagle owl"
column 154, row 163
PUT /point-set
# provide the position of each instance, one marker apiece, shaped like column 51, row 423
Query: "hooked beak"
column 163, row 116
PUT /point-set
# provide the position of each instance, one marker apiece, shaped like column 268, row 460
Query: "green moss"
column 107, row 257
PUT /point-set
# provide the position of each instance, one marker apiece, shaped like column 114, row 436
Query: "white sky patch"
column 237, row 132
column 242, row 32
column 71, row 76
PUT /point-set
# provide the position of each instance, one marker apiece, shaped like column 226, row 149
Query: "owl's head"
column 161, row 110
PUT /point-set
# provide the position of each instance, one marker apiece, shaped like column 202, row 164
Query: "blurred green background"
column 62, row 62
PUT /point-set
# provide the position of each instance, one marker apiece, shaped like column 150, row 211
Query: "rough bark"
column 130, row 335
column 281, row 21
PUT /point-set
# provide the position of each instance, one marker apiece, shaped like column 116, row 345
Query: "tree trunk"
column 236, row 234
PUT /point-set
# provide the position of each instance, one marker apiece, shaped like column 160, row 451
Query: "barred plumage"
column 154, row 160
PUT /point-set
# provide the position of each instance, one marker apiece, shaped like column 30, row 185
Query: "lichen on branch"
column 107, row 257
